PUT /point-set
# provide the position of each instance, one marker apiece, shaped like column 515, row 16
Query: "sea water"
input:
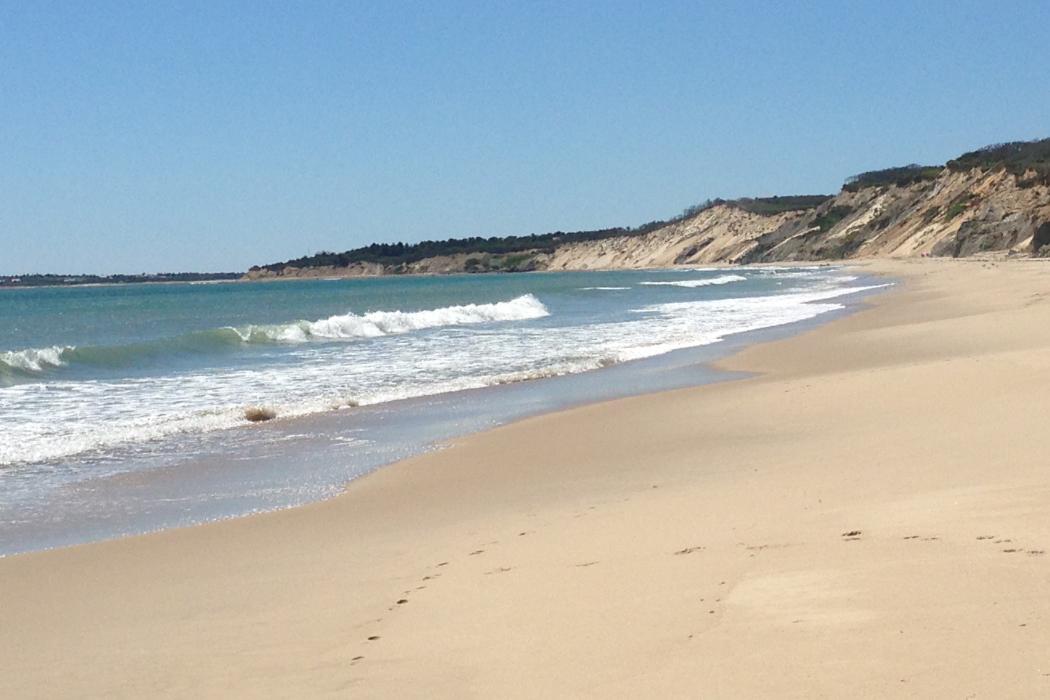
column 123, row 408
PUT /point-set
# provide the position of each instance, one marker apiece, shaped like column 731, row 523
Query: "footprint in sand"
column 689, row 550
column 1012, row 550
column 499, row 570
column 851, row 535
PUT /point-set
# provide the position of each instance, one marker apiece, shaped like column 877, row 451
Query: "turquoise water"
column 145, row 388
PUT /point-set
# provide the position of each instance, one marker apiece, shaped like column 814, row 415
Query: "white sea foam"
column 721, row 279
column 790, row 268
column 34, row 359
column 694, row 323
column 63, row 418
column 602, row 289
column 379, row 323
column 19, row 364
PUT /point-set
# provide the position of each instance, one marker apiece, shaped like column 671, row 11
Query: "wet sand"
column 869, row 515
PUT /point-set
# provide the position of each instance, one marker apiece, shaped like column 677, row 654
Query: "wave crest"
column 379, row 323
column 25, row 365
column 721, row 279
column 33, row 359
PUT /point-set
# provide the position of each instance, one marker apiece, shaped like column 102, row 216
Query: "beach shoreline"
column 190, row 479
column 864, row 515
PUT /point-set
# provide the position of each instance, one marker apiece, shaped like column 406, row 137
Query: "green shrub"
column 901, row 177
column 771, row 206
column 954, row 210
column 959, row 205
column 827, row 220
column 1015, row 157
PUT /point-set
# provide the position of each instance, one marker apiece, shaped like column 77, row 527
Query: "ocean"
column 123, row 408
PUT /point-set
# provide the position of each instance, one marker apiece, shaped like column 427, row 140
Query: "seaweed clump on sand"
column 258, row 414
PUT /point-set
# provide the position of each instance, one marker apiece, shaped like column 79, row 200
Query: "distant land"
column 51, row 280
column 994, row 200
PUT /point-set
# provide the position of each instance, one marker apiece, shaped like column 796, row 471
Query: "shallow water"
column 122, row 408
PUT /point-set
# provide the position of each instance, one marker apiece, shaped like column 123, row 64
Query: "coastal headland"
column 867, row 515
column 994, row 200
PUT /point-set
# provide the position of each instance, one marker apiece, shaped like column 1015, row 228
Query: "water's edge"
column 432, row 422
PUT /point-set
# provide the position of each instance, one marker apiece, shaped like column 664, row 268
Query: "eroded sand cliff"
column 957, row 214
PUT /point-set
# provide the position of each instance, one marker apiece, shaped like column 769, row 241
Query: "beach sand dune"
column 869, row 515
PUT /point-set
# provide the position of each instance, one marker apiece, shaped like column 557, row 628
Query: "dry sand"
column 686, row 544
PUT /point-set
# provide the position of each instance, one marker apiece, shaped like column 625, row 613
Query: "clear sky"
column 213, row 136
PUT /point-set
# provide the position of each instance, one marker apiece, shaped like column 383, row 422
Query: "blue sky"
column 212, row 136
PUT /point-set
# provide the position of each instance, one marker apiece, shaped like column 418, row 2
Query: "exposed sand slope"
column 719, row 234
column 687, row 544
column 957, row 215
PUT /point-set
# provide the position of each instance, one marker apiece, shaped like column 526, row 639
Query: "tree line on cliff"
column 394, row 254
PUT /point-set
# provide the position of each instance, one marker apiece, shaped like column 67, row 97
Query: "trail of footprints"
column 854, row 535
column 435, row 573
column 847, row 536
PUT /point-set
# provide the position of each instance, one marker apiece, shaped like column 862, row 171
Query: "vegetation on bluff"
column 512, row 248
column 1028, row 160
column 901, row 176
column 827, row 220
column 394, row 254
column 763, row 206
column 771, row 206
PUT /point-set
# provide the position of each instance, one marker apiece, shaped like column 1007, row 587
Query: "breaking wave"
column 32, row 360
column 25, row 365
column 721, row 279
column 379, row 323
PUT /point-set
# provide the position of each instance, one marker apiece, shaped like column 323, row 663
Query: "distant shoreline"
column 204, row 278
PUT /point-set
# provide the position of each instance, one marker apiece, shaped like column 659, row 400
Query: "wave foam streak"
column 379, row 323
column 33, row 359
column 26, row 364
column 395, row 355
column 721, row 279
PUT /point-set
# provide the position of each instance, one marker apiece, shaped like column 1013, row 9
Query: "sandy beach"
column 867, row 516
